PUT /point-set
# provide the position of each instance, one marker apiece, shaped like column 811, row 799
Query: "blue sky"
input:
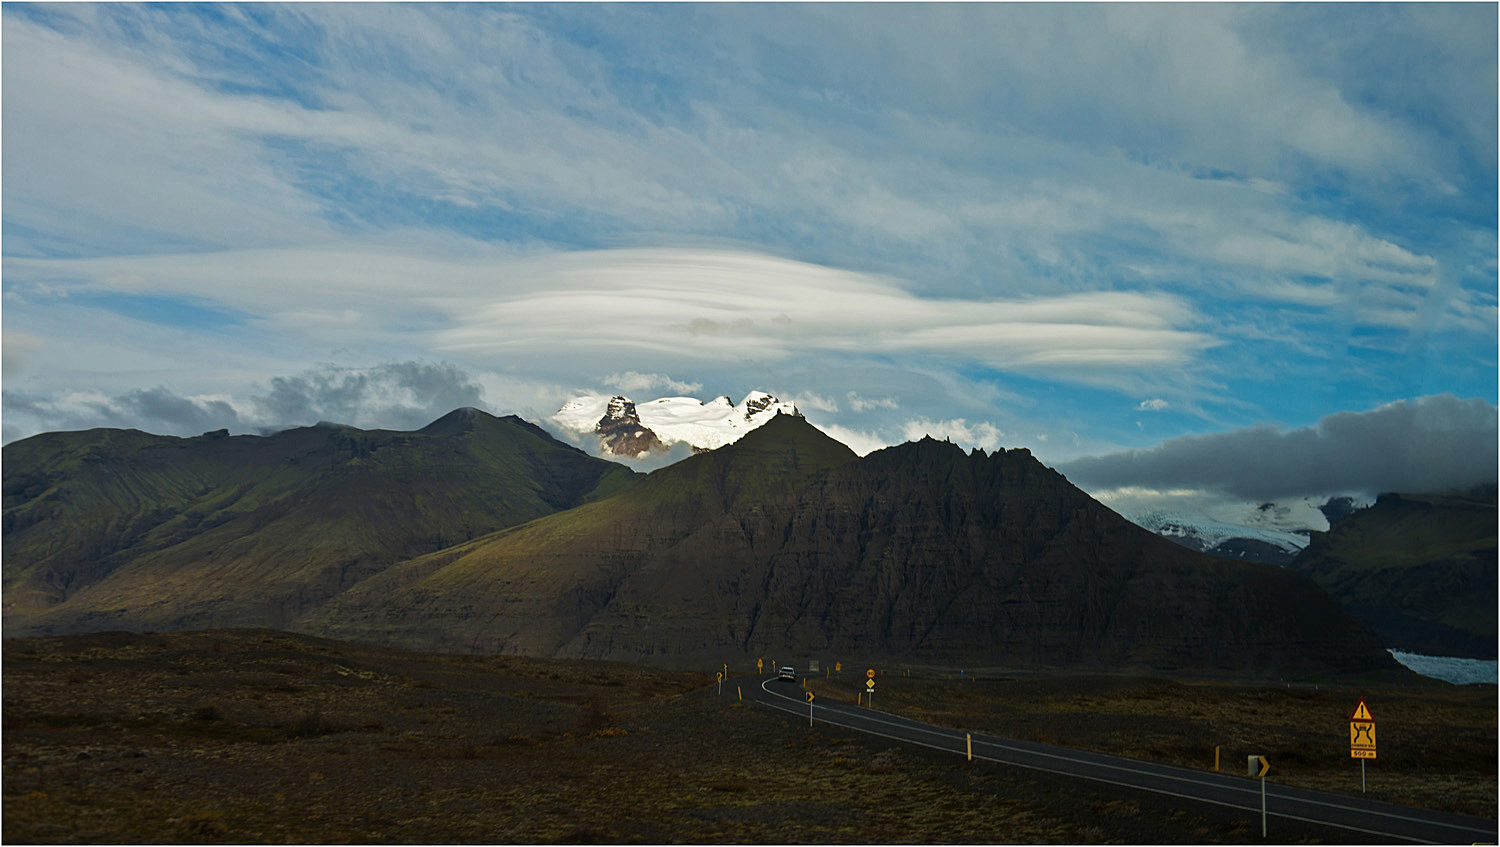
column 1117, row 234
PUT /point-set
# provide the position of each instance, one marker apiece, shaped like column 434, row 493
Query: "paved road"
column 1354, row 814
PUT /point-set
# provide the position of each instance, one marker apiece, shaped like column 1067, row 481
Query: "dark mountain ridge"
column 484, row 534
column 785, row 544
column 121, row 528
column 1420, row 569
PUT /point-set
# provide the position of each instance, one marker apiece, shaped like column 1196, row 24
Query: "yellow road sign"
column 809, row 696
column 870, row 673
column 1259, row 766
column 870, row 684
column 1362, row 733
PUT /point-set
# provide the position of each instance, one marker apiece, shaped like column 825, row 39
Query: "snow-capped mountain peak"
column 671, row 420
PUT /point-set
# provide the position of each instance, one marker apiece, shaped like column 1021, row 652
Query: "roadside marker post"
column 969, row 742
column 1259, row 767
column 809, row 708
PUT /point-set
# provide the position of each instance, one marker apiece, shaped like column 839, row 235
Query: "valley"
column 474, row 633
column 257, row 736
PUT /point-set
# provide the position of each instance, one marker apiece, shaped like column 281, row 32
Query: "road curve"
column 1353, row 814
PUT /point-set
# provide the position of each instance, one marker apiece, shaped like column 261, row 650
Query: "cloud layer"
column 1427, row 444
column 395, row 395
column 1077, row 228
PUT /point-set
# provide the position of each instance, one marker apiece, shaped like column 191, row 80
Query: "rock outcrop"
column 621, row 431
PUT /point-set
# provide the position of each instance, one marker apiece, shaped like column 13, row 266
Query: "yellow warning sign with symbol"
column 1362, row 733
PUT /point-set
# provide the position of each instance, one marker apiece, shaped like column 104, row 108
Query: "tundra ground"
column 254, row 736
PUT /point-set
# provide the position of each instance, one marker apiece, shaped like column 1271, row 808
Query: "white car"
column 787, row 672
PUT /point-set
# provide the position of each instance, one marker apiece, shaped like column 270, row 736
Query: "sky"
column 1181, row 250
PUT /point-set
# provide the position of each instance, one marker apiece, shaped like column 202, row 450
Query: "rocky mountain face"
column 621, row 432
column 786, row 544
column 484, row 534
column 1418, row 568
column 121, row 529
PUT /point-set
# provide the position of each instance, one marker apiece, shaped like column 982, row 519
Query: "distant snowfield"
column 1448, row 668
column 707, row 426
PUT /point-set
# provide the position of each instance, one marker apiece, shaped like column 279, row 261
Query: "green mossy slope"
column 111, row 528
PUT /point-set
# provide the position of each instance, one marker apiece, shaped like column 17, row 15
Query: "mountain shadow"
column 1418, row 568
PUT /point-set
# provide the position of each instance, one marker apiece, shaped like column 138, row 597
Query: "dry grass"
column 263, row 737
column 1437, row 743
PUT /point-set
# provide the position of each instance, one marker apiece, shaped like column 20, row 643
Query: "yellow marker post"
column 969, row 741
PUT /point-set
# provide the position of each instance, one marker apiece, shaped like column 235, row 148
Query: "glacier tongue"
column 1204, row 533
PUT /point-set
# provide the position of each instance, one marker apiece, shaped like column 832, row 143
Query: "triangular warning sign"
column 1362, row 713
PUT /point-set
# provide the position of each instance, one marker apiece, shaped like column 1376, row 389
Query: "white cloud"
column 728, row 305
column 862, row 442
column 393, row 395
column 630, row 381
column 16, row 349
column 981, row 434
column 1155, row 404
column 1154, row 199
column 808, row 401
column 114, row 149
column 865, row 404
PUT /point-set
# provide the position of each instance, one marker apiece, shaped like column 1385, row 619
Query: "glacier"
column 681, row 420
column 1449, row 668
